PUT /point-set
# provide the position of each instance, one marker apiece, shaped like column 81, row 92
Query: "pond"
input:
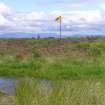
column 7, row 85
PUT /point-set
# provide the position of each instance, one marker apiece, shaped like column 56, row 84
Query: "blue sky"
column 49, row 5
column 36, row 16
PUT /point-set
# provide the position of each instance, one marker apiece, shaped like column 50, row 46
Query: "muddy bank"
column 6, row 100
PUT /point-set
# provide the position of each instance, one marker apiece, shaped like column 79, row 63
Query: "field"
column 75, row 68
column 53, row 58
column 65, row 92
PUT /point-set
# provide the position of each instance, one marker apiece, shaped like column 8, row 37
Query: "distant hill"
column 29, row 35
column 42, row 35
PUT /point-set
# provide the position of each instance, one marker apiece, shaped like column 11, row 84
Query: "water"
column 7, row 85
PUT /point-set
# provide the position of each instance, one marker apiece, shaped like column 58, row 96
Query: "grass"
column 55, row 68
column 63, row 92
column 73, row 70
column 53, row 59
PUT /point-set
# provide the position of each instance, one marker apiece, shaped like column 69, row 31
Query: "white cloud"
column 3, row 21
column 4, row 9
column 75, row 22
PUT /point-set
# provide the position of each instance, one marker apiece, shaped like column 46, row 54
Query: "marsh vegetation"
column 53, row 58
column 63, row 92
column 75, row 68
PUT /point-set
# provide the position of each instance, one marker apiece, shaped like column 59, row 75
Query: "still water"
column 7, row 84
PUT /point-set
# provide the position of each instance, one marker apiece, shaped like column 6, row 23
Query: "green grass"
column 74, row 66
column 55, row 68
column 64, row 92
column 52, row 58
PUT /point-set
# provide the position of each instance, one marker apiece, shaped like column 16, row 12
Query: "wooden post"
column 61, row 28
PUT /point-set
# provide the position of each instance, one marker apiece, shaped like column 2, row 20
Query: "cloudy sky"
column 37, row 16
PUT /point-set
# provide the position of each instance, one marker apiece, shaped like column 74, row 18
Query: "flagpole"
column 59, row 19
column 60, row 28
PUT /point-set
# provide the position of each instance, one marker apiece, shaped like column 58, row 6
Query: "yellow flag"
column 58, row 19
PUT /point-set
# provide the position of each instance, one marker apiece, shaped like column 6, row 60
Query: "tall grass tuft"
column 64, row 92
